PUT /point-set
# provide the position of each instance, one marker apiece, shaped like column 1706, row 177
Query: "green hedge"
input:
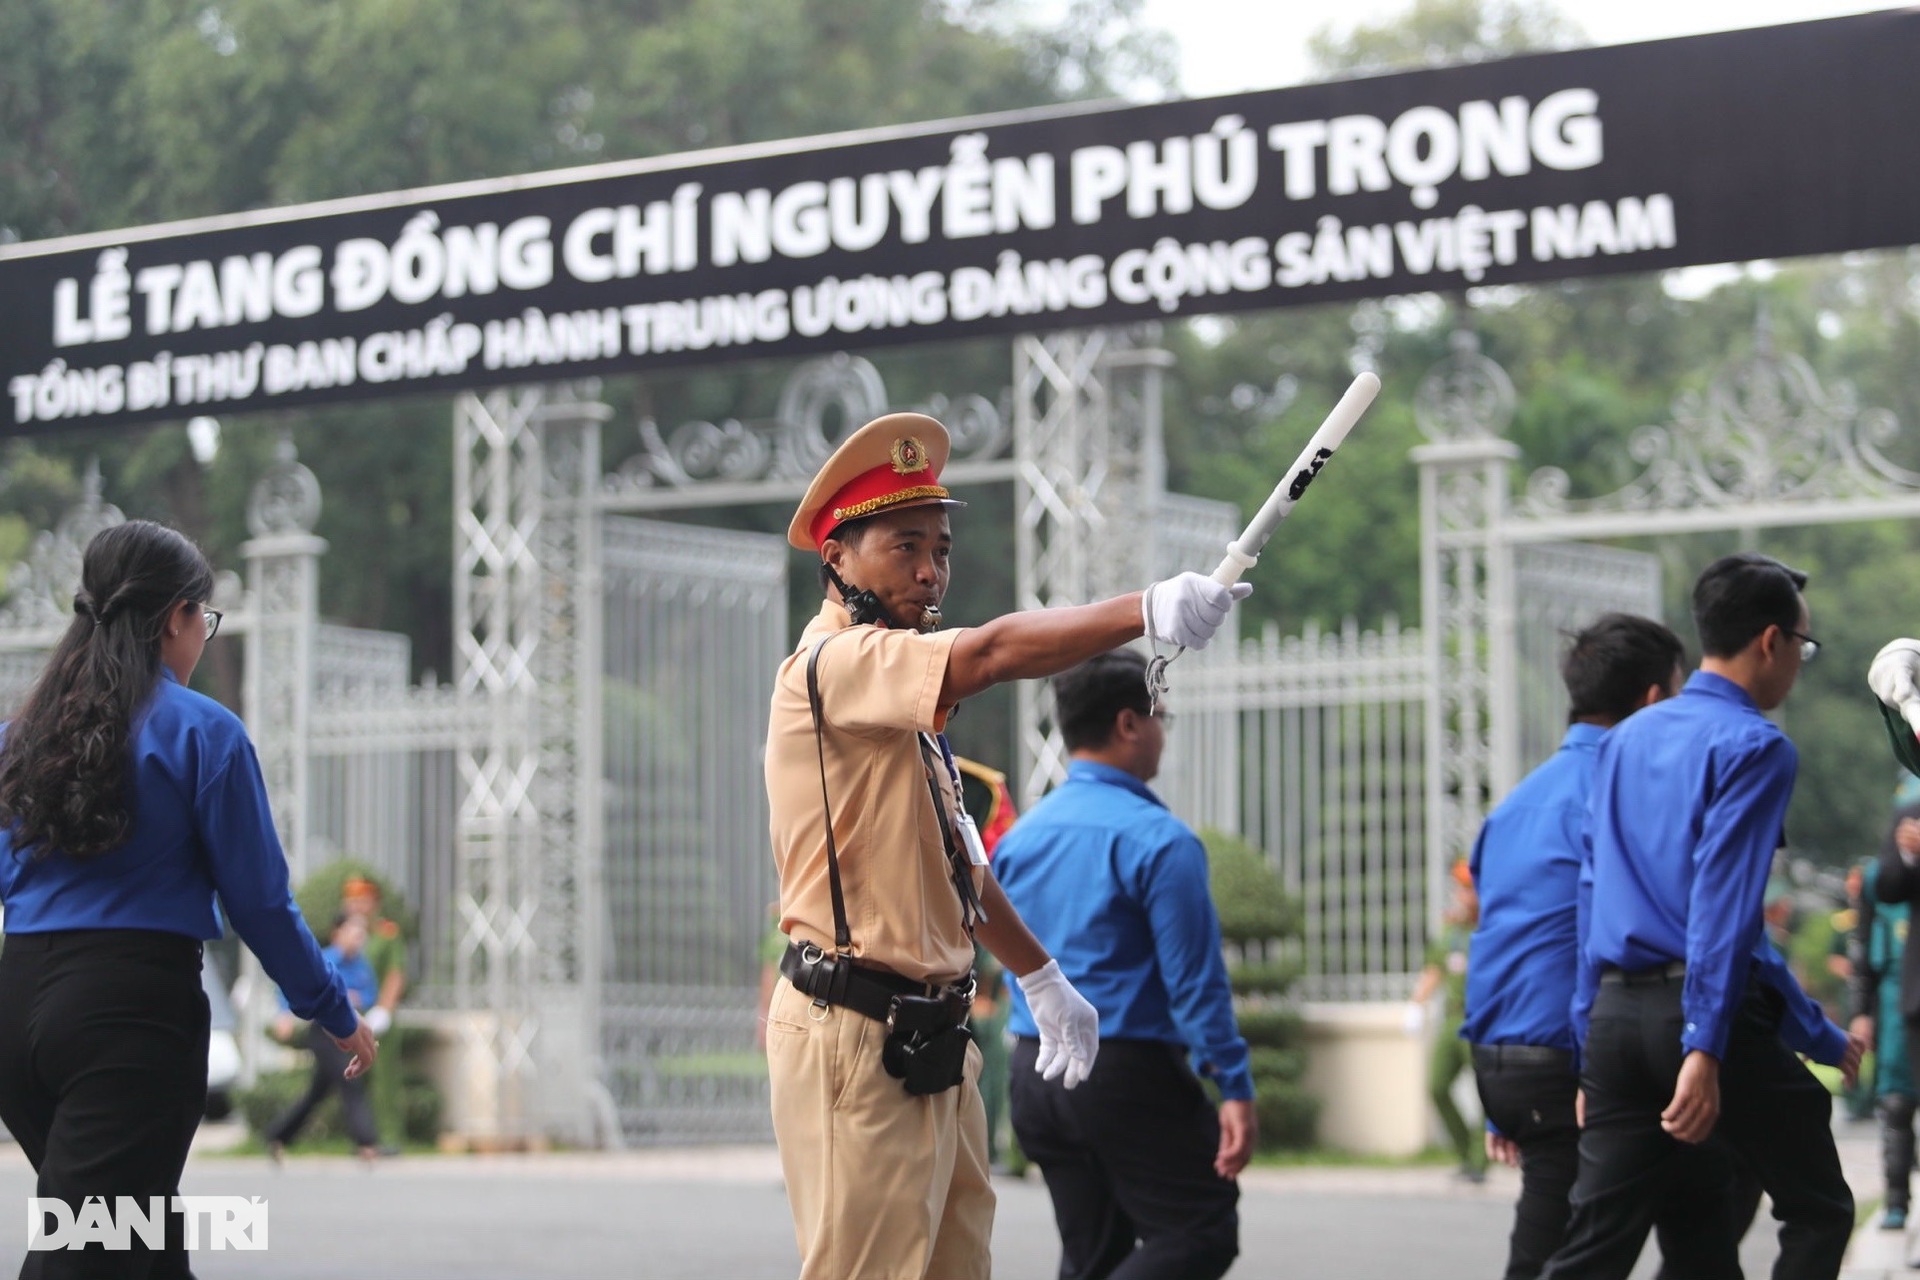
column 318, row 897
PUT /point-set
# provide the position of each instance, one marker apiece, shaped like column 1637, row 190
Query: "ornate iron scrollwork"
column 43, row 583
column 287, row 498
column 1764, row 431
column 822, row 402
column 1467, row 396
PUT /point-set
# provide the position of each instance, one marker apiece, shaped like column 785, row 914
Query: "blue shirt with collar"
column 1115, row 887
column 1688, row 805
column 356, row 971
column 1526, row 869
column 201, row 827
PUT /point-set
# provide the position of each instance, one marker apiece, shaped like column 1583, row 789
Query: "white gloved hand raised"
column 1894, row 677
column 1069, row 1026
column 1187, row 610
column 378, row 1020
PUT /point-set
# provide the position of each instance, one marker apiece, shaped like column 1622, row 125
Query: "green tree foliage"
column 1438, row 32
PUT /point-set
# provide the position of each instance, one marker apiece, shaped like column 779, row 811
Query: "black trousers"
column 1528, row 1094
column 1774, row 1115
column 1896, row 1147
column 329, row 1065
column 1128, row 1158
column 103, row 1076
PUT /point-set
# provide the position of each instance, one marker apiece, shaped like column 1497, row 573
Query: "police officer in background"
column 883, row 885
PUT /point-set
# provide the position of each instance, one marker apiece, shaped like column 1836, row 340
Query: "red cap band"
column 873, row 490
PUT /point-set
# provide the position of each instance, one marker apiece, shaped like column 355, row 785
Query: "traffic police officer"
column 876, row 1101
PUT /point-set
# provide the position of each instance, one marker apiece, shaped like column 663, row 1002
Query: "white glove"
column 1414, row 1020
column 377, row 1020
column 1894, row 678
column 1187, row 610
column 1069, row 1026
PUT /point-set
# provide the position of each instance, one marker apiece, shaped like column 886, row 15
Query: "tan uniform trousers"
column 883, row 1185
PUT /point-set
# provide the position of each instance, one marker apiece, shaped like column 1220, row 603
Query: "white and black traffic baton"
column 1244, row 551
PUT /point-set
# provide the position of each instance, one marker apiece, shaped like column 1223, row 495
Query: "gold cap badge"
column 909, row 455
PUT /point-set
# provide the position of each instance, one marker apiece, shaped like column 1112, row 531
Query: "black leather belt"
column 1522, row 1055
column 1668, row 972
column 827, row 978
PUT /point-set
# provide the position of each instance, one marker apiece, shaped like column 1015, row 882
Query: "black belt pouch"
column 925, row 1048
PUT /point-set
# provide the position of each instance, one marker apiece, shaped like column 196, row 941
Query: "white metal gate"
column 695, row 625
column 1321, row 740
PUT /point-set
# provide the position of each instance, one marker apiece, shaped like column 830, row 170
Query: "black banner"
column 1756, row 144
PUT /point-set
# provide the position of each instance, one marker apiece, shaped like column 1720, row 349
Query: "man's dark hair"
column 1613, row 662
column 1087, row 699
column 1739, row 596
column 849, row 532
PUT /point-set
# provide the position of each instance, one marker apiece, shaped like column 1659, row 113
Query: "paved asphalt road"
column 721, row 1215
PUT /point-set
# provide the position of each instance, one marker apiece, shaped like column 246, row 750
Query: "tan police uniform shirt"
column 878, row 691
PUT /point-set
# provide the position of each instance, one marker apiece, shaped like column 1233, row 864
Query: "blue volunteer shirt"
column 1526, row 868
column 1115, row 887
column 1689, row 803
column 201, row 826
column 356, row 971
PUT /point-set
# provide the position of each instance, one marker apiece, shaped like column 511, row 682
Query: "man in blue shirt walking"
column 1526, row 868
column 1115, row 887
column 1680, row 1006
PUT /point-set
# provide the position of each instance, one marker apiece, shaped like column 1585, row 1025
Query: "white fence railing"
column 1312, row 746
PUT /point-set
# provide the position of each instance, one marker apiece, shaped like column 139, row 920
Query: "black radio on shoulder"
column 862, row 606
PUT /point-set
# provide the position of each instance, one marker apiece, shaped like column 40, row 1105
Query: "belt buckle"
column 811, row 954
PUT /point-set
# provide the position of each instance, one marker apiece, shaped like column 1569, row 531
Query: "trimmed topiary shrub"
column 1257, row 920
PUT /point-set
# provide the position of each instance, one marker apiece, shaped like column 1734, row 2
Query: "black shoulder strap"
column 842, row 936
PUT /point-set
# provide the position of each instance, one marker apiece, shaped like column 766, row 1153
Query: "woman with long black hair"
column 127, row 803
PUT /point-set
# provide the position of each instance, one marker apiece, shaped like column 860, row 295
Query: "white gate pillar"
column 526, row 631
column 568, row 665
column 1089, row 474
column 283, row 591
column 1467, row 605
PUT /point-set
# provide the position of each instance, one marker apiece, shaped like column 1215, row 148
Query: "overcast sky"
column 1230, row 45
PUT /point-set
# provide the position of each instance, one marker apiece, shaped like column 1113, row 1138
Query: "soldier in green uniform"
column 386, row 951
column 1447, row 963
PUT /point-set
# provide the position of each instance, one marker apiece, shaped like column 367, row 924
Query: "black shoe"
column 1471, row 1173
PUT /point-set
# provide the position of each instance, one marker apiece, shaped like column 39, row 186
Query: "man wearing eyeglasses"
column 1138, row 1163
column 1680, row 1003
